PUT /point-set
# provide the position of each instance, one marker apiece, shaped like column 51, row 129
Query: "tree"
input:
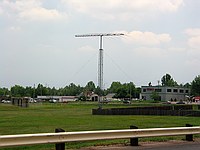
column 90, row 86
column 126, row 90
column 155, row 96
column 39, row 90
column 99, row 91
column 187, row 85
column 114, row 87
column 72, row 90
column 167, row 80
column 130, row 89
column 4, row 91
column 121, row 93
column 195, row 86
column 29, row 92
column 18, row 91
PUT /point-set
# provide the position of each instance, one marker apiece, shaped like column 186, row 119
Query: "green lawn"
column 44, row 118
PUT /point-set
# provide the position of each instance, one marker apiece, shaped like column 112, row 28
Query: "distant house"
column 94, row 97
column 91, row 96
column 165, row 93
column 64, row 99
column 43, row 98
column 58, row 98
column 196, row 99
column 110, row 96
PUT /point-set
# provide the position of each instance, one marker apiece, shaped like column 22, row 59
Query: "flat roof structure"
column 165, row 93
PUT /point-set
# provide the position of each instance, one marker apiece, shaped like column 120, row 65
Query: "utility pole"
column 100, row 65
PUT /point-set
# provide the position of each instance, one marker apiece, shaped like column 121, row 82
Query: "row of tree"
column 167, row 80
column 125, row 90
column 121, row 90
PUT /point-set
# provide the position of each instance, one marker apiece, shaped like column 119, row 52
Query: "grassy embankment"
column 44, row 118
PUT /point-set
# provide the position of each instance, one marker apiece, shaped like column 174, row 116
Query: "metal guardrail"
column 63, row 137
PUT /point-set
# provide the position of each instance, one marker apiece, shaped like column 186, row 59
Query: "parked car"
column 105, row 101
column 168, row 102
column 6, row 101
column 180, row 102
column 126, row 102
column 32, row 100
column 53, row 101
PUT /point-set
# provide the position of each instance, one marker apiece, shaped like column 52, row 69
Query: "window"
column 158, row 90
column 169, row 90
column 144, row 97
column 186, row 91
column 181, row 91
column 144, row 90
column 175, row 90
column 150, row 89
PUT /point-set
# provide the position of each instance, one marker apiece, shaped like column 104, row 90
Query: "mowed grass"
column 46, row 117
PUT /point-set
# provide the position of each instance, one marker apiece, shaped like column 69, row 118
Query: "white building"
column 165, row 93
column 64, row 99
column 58, row 98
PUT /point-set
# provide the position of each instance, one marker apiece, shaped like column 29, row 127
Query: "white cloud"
column 24, row 4
column 31, row 10
column 120, row 9
column 194, row 42
column 169, row 5
column 193, row 32
column 145, row 38
column 17, row 6
column 14, row 28
column 194, row 37
column 194, row 47
column 40, row 14
column 104, row 9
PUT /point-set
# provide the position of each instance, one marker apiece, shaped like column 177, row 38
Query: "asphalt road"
column 170, row 145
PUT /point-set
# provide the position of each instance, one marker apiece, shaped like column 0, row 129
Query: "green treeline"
column 120, row 90
column 125, row 90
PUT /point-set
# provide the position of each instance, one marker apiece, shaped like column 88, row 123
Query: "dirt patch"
column 142, row 145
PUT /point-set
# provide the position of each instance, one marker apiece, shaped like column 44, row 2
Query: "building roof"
column 196, row 97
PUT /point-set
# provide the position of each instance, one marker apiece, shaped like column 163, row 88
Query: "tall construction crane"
column 100, row 65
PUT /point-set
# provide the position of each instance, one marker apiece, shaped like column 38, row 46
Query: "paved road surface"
column 171, row 145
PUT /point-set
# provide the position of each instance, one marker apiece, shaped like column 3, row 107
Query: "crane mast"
column 100, row 62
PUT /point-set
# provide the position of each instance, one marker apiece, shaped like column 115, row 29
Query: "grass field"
column 44, row 118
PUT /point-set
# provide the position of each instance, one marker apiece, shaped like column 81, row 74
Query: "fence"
column 177, row 110
column 63, row 137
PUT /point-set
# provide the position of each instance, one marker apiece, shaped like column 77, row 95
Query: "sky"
column 38, row 43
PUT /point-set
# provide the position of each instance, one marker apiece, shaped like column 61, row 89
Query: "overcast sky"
column 38, row 43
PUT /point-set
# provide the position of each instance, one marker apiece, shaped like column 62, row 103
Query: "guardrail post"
column 134, row 141
column 189, row 137
column 60, row 146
